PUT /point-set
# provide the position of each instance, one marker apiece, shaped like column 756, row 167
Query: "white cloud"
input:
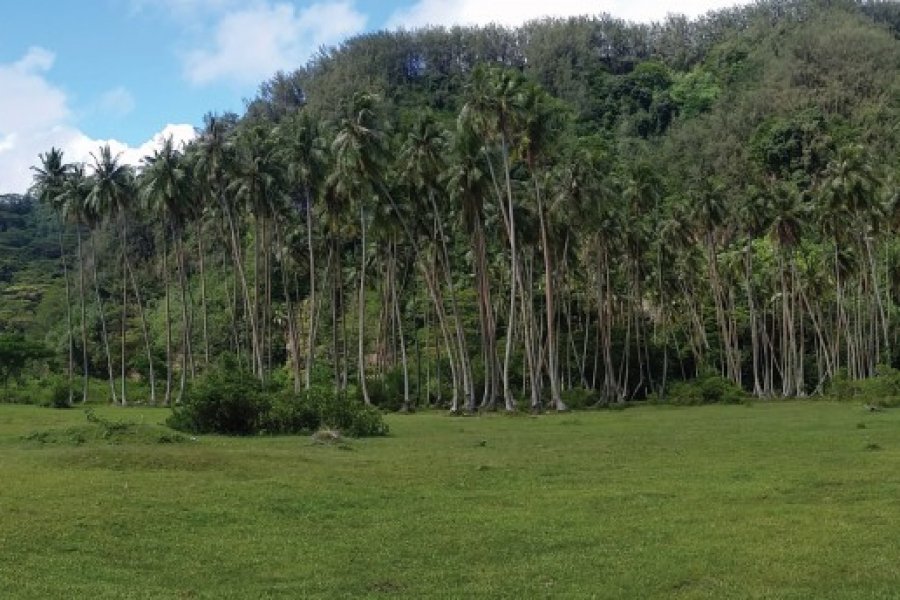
column 35, row 116
column 516, row 12
column 117, row 102
column 251, row 44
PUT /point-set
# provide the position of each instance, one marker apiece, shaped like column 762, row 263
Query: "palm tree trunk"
column 185, row 336
column 144, row 330
column 553, row 358
column 84, row 337
column 168, row 316
column 313, row 322
column 123, row 398
column 200, row 257
column 361, row 356
column 70, row 373
column 109, row 367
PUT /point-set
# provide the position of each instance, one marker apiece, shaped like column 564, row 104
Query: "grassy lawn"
column 787, row 500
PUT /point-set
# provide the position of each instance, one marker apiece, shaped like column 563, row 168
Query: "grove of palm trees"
column 571, row 213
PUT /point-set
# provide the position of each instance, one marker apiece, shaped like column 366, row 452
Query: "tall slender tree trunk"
column 123, row 397
column 313, row 322
column 361, row 355
column 167, row 400
column 144, row 331
column 201, row 259
column 185, row 336
column 109, row 367
column 552, row 350
column 84, row 337
column 70, row 373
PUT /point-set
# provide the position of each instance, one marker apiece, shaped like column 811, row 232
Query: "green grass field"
column 786, row 500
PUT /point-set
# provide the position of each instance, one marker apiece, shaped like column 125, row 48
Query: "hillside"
column 573, row 212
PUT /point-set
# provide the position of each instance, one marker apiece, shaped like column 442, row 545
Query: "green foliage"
column 16, row 353
column 387, row 392
column 695, row 92
column 103, row 431
column 580, row 398
column 320, row 407
column 226, row 399
column 229, row 400
column 882, row 390
column 707, row 389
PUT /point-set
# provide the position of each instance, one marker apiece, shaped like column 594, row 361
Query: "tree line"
column 734, row 213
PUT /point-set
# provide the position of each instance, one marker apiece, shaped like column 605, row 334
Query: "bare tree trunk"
column 109, row 367
column 552, row 354
column 84, row 337
column 362, row 309
column 168, row 397
column 123, row 397
column 203, row 291
column 70, row 373
column 144, row 331
column 185, row 338
column 313, row 322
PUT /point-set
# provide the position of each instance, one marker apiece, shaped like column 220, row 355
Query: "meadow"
column 771, row 500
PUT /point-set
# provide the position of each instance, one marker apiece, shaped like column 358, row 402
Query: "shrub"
column 226, row 400
column 708, row 389
column 59, row 395
column 580, row 398
column 352, row 417
column 387, row 392
column 233, row 402
column 882, row 390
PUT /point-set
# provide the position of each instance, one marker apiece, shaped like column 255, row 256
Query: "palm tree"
column 359, row 149
column 162, row 186
column 493, row 112
column 540, row 129
column 75, row 192
column 305, row 155
column 49, row 188
column 467, row 182
column 109, row 198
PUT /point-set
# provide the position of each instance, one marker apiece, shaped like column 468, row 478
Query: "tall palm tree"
column 49, row 188
column 75, row 192
column 110, row 197
column 305, row 155
column 162, row 187
column 359, row 150
column 468, row 182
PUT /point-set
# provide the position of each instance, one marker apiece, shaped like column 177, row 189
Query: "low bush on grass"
column 231, row 401
column 104, row 431
column 882, row 390
column 707, row 389
column 580, row 398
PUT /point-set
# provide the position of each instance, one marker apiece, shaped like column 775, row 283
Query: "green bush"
column 387, row 392
column 230, row 401
column 580, row 398
column 707, row 389
column 882, row 390
column 227, row 399
column 59, row 395
column 352, row 417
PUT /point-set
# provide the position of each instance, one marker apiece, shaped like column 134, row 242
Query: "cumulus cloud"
column 516, row 12
column 251, row 44
column 35, row 116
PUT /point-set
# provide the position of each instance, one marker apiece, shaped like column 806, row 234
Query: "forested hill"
column 579, row 209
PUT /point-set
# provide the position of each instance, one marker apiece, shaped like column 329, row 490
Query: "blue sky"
column 127, row 72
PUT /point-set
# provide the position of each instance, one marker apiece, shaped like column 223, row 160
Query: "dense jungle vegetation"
column 570, row 213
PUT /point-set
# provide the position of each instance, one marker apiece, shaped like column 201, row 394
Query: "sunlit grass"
column 788, row 500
